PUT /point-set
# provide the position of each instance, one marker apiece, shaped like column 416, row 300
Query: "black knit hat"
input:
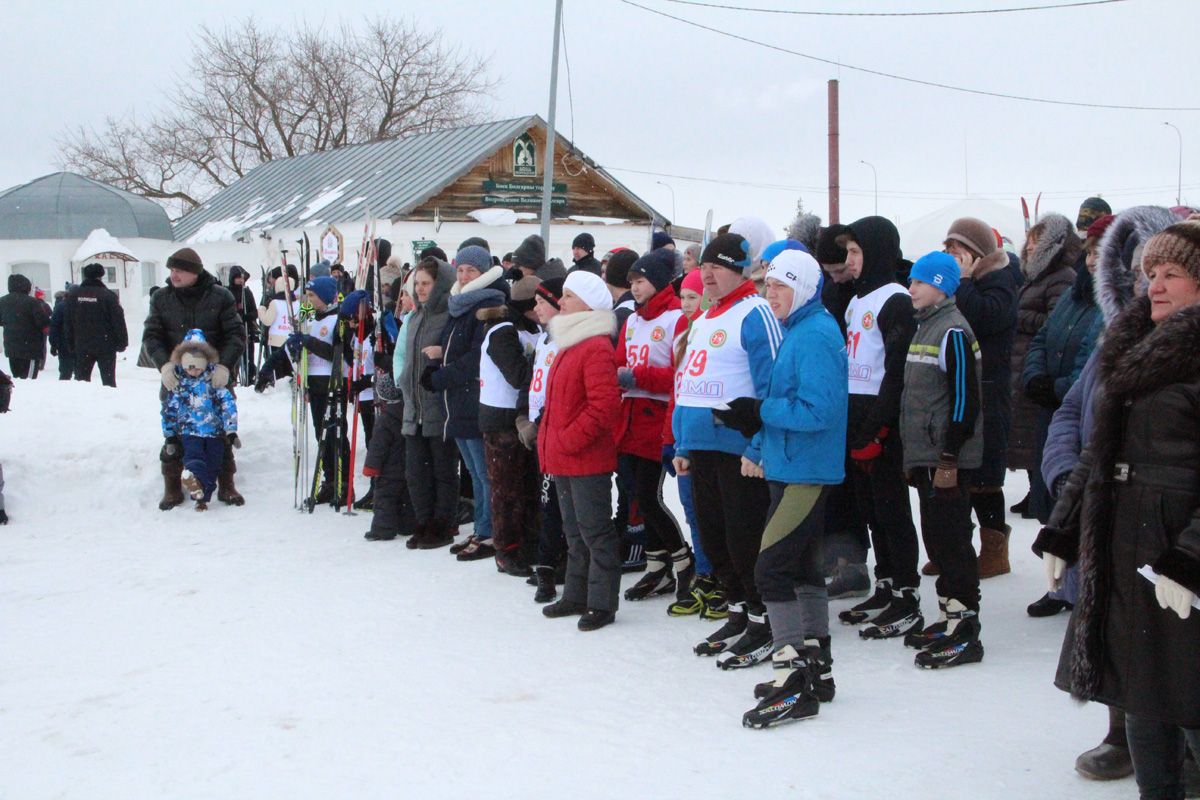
column 531, row 253
column 657, row 266
column 584, row 241
column 434, row 252
column 1091, row 210
column 551, row 290
column 187, row 260
column 828, row 249
column 478, row 241
column 729, row 250
column 616, row 273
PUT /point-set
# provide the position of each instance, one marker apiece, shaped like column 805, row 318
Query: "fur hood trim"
column 568, row 330
column 1057, row 242
column 1139, row 357
column 482, row 282
column 1115, row 281
column 993, row 261
column 199, row 348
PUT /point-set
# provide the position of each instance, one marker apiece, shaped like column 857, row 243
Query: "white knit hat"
column 589, row 288
column 800, row 271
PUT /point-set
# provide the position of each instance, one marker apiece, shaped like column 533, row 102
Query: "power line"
column 901, row 194
column 1011, row 10
column 918, row 81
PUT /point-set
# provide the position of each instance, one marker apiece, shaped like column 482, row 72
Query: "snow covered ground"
column 258, row 652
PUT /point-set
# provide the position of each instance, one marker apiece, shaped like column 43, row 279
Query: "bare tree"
column 249, row 96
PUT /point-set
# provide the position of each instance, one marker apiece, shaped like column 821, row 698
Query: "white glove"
column 170, row 380
column 1054, row 570
column 220, row 376
column 1173, row 596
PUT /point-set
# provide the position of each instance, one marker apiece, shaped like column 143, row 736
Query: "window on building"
column 38, row 273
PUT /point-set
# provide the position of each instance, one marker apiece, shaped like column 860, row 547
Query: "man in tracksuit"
column 731, row 349
column 879, row 328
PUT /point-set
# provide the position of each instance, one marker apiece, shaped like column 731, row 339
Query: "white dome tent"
column 927, row 233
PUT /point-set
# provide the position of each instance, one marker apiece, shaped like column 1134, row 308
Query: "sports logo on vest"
column 550, row 358
column 657, row 334
column 717, row 339
column 868, row 321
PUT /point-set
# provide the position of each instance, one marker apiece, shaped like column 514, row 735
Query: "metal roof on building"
column 69, row 206
column 391, row 178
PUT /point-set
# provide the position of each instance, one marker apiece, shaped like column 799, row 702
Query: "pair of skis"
column 367, row 261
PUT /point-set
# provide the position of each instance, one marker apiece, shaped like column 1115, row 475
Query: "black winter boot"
column 546, row 590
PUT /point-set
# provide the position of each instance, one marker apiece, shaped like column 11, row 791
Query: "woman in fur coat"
column 1133, row 642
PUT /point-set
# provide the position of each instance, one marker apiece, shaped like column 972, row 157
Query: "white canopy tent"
column 927, row 233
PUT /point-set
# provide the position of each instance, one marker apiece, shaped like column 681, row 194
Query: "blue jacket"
column 197, row 409
column 1062, row 346
column 695, row 428
column 803, row 438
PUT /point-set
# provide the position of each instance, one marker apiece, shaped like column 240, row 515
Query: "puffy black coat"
column 509, row 356
column 1062, row 346
column 24, row 318
column 58, row 322
column 243, row 300
column 462, row 338
column 1121, row 648
column 94, row 324
column 204, row 305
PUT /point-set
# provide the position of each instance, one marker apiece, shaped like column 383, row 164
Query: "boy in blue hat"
column 942, row 433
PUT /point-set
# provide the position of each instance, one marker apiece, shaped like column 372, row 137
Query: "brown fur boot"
column 172, row 487
column 993, row 552
column 226, row 492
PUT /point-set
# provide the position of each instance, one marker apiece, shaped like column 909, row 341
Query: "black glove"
column 1040, row 390
column 742, row 415
column 426, row 379
column 234, row 441
column 172, row 449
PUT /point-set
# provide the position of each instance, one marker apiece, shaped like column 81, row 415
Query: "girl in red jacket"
column 646, row 377
column 576, row 446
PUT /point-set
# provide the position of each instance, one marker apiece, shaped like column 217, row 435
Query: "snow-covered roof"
column 102, row 244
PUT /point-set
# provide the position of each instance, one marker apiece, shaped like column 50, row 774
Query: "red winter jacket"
column 641, row 427
column 583, row 400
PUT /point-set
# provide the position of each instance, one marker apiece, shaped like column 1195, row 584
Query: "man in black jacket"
column 583, row 253
column 243, row 300
column 60, row 346
column 193, row 299
column 94, row 327
column 23, row 317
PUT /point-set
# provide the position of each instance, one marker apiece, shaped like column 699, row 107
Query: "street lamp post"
column 1179, row 184
column 672, row 191
column 875, row 175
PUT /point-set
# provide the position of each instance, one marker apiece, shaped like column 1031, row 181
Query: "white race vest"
column 494, row 390
column 322, row 328
column 864, row 342
column 544, row 352
column 716, row 368
column 650, row 343
column 368, row 370
column 281, row 327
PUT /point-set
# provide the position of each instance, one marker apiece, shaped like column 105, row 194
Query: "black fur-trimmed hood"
column 1116, row 277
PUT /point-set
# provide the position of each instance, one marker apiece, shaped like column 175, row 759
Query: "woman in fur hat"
column 1133, row 643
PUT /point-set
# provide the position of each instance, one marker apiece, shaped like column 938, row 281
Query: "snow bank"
column 258, row 652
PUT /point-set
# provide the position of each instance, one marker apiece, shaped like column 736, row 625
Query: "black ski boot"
column 872, row 607
column 685, row 571
column 959, row 645
column 822, row 661
column 902, row 615
column 754, row 646
column 546, row 591
column 720, row 639
column 657, row 580
column 919, row 640
column 367, row 501
column 792, row 696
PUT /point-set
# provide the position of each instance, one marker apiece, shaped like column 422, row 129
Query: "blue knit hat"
column 775, row 248
column 475, row 256
column 939, row 270
column 195, row 335
column 324, row 287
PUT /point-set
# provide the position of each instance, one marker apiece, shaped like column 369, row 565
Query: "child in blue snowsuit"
column 199, row 417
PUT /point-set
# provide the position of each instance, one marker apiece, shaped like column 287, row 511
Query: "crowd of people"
column 797, row 390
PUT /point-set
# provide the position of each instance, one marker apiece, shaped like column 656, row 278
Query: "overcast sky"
column 656, row 95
